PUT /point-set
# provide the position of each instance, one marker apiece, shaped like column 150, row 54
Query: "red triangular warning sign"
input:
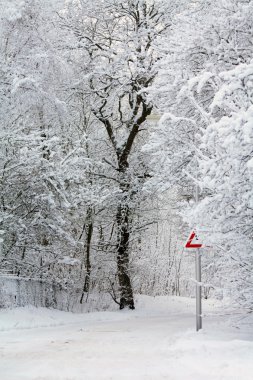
column 189, row 243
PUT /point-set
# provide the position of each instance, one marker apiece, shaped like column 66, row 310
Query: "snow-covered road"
column 157, row 341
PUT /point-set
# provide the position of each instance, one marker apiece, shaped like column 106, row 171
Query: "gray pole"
column 198, row 290
column 198, row 279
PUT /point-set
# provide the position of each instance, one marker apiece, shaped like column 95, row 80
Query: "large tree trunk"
column 89, row 230
column 123, row 234
column 126, row 292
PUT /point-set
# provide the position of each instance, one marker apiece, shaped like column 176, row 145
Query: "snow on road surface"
column 156, row 341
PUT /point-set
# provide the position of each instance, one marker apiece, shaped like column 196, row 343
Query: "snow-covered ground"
column 156, row 341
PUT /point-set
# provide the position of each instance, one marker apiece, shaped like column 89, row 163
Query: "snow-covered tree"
column 226, row 171
column 34, row 203
column 119, row 42
column 204, row 94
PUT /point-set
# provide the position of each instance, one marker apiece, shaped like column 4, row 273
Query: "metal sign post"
column 198, row 290
column 197, row 246
column 198, row 277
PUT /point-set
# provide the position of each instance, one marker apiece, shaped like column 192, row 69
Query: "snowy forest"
column 113, row 116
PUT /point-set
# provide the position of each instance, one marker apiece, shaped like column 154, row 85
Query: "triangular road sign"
column 189, row 243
